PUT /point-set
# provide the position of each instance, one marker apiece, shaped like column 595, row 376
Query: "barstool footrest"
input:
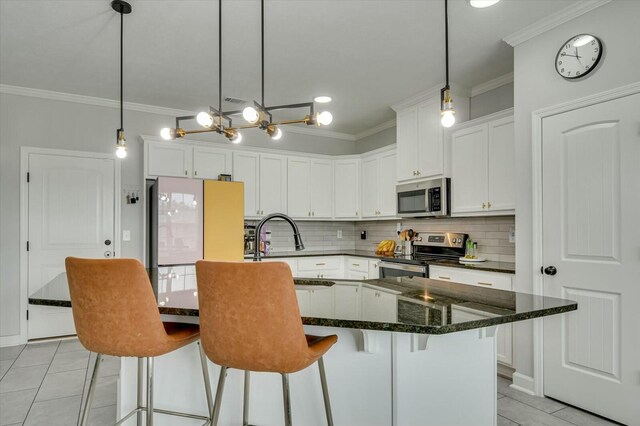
column 166, row 412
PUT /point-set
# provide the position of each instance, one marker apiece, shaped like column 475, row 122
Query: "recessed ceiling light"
column 322, row 99
column 482, row 3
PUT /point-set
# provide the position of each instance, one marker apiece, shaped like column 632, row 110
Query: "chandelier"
column 258, row 116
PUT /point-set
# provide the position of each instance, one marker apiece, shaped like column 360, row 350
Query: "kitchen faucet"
column 296, row 234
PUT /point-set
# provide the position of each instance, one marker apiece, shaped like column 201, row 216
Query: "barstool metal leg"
column 92, row 386
column 216, row 406
column 207, row 381
column 287, row 399
column 245, row 402
column 325, row 392
column 150, row 391
column 140, row 392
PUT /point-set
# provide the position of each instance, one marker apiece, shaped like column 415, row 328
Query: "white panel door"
column 71, row 213
column 321, row 185
column 168, row 159
column 501, row 170
column 246, row 168
column 591, row 212
column 370, row 188
column 430, row 140
column 347, row 189
column 298, row 197
column 407, row 143
column 386, row 184
column 469, row 170
column 273, row 184
column 208, row 163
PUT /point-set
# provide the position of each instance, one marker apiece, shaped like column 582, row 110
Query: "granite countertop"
column 422, row 305
column 488, row 266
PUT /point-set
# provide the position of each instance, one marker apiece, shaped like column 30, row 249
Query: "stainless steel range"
column 433, row 246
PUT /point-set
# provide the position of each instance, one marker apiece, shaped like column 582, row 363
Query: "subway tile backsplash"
column 491, row 233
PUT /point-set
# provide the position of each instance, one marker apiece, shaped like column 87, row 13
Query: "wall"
column 29, row 121
column 495, row 100
column 377, row 140
column 538, row 86
column 491, row 233
column 315, row 235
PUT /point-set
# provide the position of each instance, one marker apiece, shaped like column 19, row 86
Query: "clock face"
column 578, row 56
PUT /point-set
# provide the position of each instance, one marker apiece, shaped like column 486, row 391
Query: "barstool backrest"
column 114, row 309
column 249, row 316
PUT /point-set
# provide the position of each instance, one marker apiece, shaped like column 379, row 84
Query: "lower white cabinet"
column 321, row 267
column 499, row 281
column 379, row 305
column 347, row 301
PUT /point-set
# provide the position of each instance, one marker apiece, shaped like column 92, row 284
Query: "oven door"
column 392, row 269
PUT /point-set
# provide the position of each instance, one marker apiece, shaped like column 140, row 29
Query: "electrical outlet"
column 339, row 234
column 398, row 227
column 512, row 235
column 126, row 235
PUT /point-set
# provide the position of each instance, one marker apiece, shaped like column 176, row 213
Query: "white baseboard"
column 13, row 340
column 523, row 383
column 505, row 371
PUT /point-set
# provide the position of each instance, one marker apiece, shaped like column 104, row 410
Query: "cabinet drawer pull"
column 355, row 264
column 320, row 264
column 483, row 283
column 444, row 278
column 488, row 205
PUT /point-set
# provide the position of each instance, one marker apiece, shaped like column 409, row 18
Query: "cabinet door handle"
column 444, row 278
column 483, row 205
column 308, row 213
column 186, row 172
column 195, row 173
column 418, row 172
column 488, row 205
column 483, row 283
column 257, row 211
column 356, row 213
column 313, row 213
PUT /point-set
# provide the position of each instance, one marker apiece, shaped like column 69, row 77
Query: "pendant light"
column 123, row 8
column 447, row 113
column 257, row 116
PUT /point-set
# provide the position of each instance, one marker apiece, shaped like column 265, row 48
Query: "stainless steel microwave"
column 424, row 199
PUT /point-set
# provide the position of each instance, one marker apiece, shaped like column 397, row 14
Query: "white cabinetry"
column 321, row 267
column 407, row 143
column 208, row 163
column 374, row 270
column 378, row 185
column 357, row 268
column 482, row 169
column 378, row 305
column 347, row 301
column 272, row 184
column 495, row 280
column 310, row 188
column 246, row 167
column 168, row 159
column 347, row 189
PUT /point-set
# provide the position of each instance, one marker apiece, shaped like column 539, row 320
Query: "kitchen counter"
column 176, row 291
column 488, row 266
column 400, row 364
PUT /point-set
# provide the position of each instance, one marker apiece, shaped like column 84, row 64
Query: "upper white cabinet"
column 273, row 184
column 246, row 166
column 310, row 188
column 378, row 185
column 208, row 163
column 421, row 152
column 347, row 189
column 482, row 169
column 168, row 159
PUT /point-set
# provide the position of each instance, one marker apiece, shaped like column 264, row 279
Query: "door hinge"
column 27, row 315
column 27, row 245
column 28, row 177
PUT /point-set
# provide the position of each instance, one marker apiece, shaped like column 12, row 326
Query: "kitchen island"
column 410, row 351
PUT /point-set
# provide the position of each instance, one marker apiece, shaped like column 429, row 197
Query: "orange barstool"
column 115, row 313
column 250, row 321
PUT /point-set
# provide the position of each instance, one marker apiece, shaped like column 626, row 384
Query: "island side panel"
column 453, row 381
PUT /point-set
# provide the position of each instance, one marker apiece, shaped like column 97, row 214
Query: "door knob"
column 550, row 270
column 107, row 242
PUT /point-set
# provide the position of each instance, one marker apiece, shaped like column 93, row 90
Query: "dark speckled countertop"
column 488, row 266
column 421, row 305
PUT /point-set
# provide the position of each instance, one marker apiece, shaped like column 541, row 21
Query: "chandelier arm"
column 291, row 106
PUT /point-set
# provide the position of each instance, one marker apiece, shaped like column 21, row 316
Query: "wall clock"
column 578, row 56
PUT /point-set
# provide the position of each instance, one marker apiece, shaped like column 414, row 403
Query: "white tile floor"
column 42, row 384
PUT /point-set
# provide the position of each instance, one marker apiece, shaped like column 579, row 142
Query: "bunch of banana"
column 386, row 247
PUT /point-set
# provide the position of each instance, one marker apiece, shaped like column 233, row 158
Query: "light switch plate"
column 126, row 235
column 398, row 227
column 339, row 234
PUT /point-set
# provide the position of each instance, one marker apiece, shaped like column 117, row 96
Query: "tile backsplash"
column 491, row 233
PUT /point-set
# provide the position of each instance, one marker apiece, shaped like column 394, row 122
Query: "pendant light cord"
column 446, row 42
column 121, row 70
column 262, row 41
column 220, row 60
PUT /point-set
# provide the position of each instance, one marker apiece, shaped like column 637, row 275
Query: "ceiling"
column 367, row 55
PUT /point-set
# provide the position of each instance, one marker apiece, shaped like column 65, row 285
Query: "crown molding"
column 151, row 109
column 434, row 92
column 492, row 84
column 550, row 22
column 376, row 129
